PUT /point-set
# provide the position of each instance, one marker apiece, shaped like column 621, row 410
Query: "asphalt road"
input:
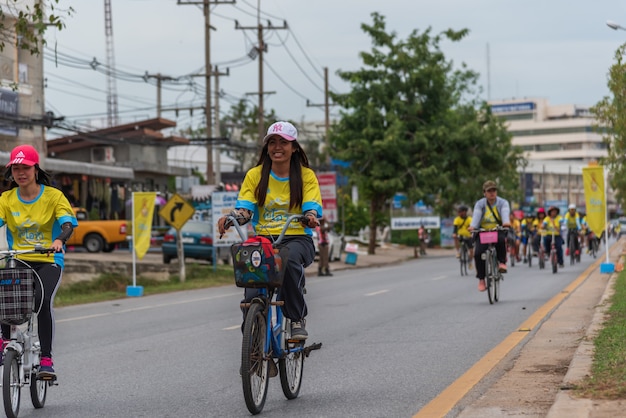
column 393, row 338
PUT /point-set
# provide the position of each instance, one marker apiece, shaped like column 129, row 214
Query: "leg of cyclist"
column 501, row 251
column 50, row 275
column 480, row 265
column 470, row 251
column 559, row 249
column 301, row 254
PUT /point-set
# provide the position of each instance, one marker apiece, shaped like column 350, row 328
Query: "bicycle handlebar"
column 38, row 249
column 290, row 219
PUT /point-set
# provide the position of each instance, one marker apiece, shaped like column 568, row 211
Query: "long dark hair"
column 298, row 160
column 41, row 176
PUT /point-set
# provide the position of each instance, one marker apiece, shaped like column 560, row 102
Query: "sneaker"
column 525, row 260
column 298, row 332
column 482, row 286
column 46, row 371
column 458, row 255
column 502, row 268
column 470, row 266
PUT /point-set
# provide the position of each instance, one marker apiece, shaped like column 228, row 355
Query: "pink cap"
column 24, row 154
column 283, row 129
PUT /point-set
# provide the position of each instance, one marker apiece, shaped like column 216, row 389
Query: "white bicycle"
column 22, row 351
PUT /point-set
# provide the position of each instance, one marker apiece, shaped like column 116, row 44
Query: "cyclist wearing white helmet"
column 572, row 222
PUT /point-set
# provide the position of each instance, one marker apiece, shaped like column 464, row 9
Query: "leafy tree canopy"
column 610, row 114
column 412, row 123
column 28, row 21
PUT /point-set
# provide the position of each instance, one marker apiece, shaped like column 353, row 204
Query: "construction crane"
column 112, row 114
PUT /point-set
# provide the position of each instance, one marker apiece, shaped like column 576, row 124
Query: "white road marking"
column 231, row 328
column 377, row 293
column 439, row 278
column 142, row 308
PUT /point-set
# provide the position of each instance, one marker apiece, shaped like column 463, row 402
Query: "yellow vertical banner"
column 143, row 210
column 593, row 181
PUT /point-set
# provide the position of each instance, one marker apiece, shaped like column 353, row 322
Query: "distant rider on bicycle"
column 36, row 213
column 280, row 185
column 572, row 221
column 552, row 224
column 528, row 232
column 489, row 212
column 540, row 230
column 462, row 233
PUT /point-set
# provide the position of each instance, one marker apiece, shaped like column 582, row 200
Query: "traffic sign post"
column 176, row 212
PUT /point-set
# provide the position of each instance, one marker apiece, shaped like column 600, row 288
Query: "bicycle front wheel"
column 11, row 384
column 38, row 391
column 291, row 368
column 254, row 362
column 553, row 259
column 464, row 259
column 490, row 269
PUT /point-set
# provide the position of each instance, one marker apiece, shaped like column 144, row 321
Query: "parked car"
column 335, row 242
column 197, row 241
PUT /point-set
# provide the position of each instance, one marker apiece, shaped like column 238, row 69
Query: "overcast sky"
column 557, row 49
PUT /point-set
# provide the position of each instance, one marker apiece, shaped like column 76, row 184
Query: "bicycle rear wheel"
column 38, row 391
column 254, row 363
column 464, row 259
column 553, row 260
column 291, row 368
column 11, row 384
column 529, row 253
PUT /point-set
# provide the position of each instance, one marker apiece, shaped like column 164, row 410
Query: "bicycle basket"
column 17, row 293
column 258, row 264
column 488, row 237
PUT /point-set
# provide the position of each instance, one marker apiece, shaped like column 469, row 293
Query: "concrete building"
column 558, row 141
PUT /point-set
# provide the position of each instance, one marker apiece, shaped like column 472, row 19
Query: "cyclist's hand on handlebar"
column 223, row 224
column 56, row 247
column 310, row 220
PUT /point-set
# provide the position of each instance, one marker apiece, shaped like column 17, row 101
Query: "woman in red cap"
column 36, row 213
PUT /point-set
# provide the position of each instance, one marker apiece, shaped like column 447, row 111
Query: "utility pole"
column 260, row 49
column 218, row 166
column 326, row 106
column 159, row 79
column 210, row 177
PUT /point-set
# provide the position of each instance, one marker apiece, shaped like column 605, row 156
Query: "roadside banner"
column 143, row 210
column 593, row 182
column 328, row 190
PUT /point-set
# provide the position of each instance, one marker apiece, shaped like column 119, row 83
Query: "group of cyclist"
column 534, row 229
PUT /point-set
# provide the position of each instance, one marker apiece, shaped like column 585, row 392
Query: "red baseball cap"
column 24, row 154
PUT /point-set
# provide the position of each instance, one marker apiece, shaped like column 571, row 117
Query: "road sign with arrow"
column 177, row 211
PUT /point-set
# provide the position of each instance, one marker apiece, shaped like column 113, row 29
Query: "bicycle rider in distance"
column 552, row 223
column 572, row 221
column 281, row 184
column 529, row 229
column 37, row 213
column 489, row 212
column 461, row 233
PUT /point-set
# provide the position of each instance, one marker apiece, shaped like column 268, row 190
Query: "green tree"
column 411, row 123
column 610, row 114
column 28, row 23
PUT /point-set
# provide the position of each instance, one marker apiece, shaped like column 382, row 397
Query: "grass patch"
column 113, row 286
column 608, row 372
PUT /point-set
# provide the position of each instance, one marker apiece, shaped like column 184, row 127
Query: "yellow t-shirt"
column 270, row 218
column 553, row 225
column 489, row 220
column 462, row 226
column 538, row 225
column 35, row 222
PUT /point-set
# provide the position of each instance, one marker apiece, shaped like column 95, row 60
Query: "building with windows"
column 558, row 141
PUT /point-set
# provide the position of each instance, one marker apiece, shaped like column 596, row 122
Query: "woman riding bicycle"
column 280, row 185
column 461, row 233
column 528, row 232
column 540, row 230
column 36, row 213
column 552, row 225
column 489, row 212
